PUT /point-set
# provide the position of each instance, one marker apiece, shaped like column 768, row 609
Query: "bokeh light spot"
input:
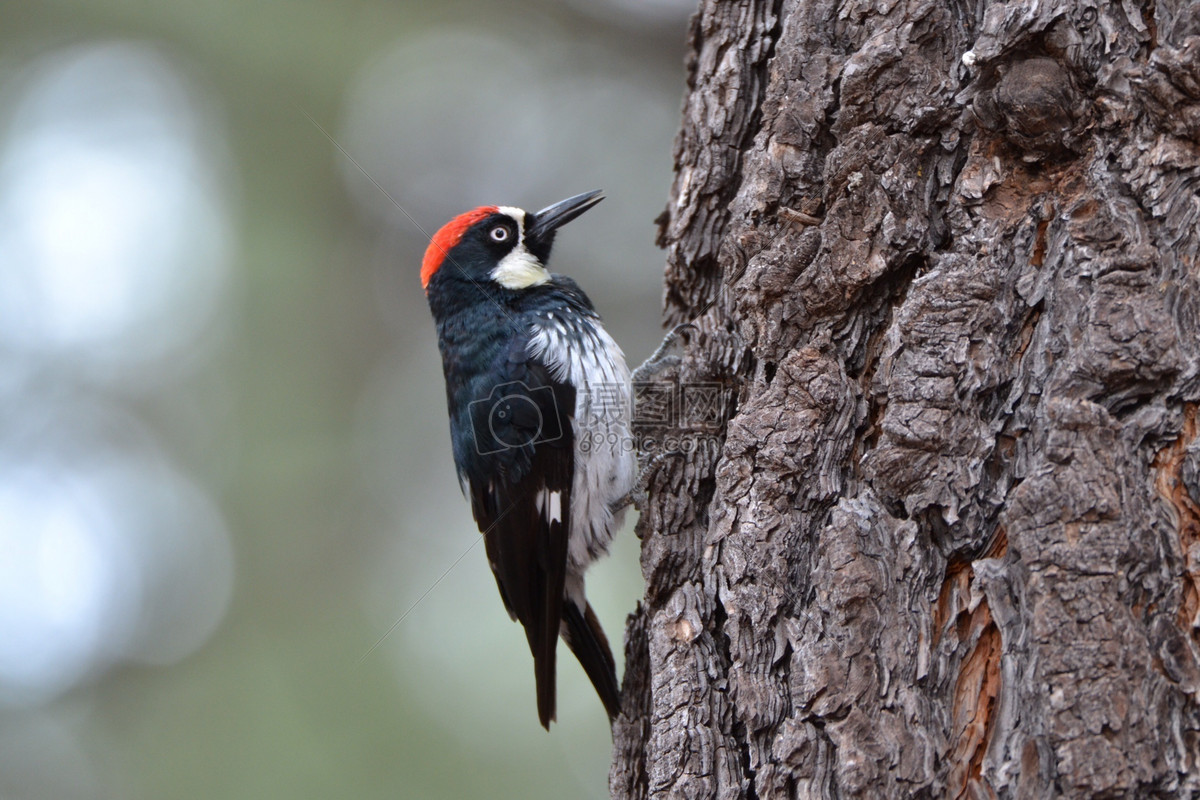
column 113, row 242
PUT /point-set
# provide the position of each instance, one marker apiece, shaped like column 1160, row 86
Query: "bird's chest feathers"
column 579, row 349
column 580, row 352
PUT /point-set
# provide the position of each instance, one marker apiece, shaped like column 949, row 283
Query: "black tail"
column 586, row 639
column 543, row 672
column 544, row 656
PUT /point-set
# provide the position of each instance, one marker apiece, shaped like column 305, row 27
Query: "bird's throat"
column 520, row 269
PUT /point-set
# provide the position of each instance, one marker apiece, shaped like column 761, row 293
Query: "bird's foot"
column 640, row 492
column 662, row 358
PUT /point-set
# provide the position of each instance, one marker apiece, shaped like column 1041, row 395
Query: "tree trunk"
column 943, row 537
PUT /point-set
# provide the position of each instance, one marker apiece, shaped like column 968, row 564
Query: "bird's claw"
column 661, row 358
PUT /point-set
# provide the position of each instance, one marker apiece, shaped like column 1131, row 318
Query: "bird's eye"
column 499, row 233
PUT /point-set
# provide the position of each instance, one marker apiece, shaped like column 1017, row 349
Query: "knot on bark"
column 1035, row 106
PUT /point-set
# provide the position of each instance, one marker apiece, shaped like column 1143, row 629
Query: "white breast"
column 581, row 352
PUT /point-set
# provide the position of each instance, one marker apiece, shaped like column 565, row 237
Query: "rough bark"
column 943, row 538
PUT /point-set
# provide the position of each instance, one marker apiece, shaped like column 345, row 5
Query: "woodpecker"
column 539, row 401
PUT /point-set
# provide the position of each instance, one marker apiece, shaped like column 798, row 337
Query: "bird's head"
column 501, row 244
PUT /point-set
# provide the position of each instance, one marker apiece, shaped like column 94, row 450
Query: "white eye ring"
column 499, row 233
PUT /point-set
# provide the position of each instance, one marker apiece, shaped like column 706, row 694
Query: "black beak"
column 550, row 218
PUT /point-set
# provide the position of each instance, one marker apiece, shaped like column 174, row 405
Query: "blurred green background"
column 224, row 460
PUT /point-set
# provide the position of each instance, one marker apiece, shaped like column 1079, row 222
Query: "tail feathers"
column 587, row 641
column 543, row 670
column 545, row 654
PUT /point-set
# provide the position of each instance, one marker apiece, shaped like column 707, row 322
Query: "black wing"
column 521, row 499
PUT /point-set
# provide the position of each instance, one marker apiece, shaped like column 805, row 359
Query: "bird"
column 538, row 394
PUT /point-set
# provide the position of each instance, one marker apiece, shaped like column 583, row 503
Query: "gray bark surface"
column 943, row 538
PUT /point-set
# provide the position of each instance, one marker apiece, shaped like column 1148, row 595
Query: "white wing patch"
column 549, row 505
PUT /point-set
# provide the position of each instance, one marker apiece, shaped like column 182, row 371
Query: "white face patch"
column 520, row 269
